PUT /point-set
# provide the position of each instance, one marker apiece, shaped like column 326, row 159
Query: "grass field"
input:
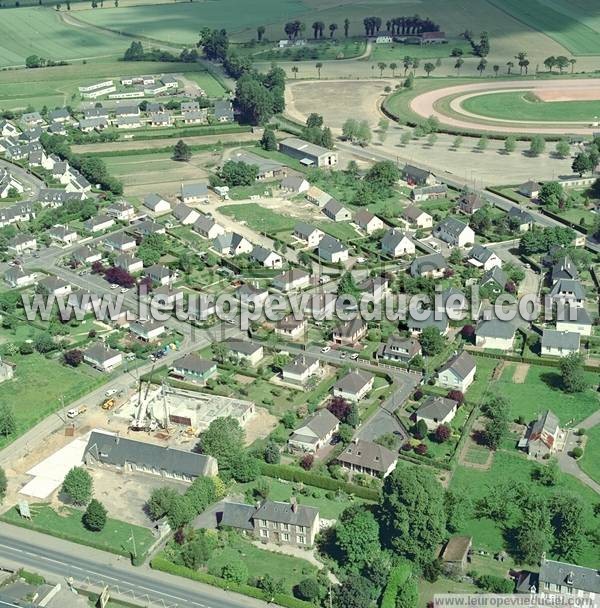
column 541, row 390
column 38, row 385
column 516, row 468
column 397, row 51
column 258, row 218
column 67, row 524
column 590, row 462
column 556, row 19
column 41, row 31
column 58, row 86
column 517, row 105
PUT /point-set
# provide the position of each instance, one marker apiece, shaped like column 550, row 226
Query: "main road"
column 60, row 560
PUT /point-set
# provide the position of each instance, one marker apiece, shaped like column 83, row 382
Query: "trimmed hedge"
column 398, row 576
column 532, row 360
column 282, row 471
column 164, row 565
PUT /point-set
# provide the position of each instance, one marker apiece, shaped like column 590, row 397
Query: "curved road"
column 424, row 105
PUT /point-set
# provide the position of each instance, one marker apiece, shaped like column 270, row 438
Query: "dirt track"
column 424, row 105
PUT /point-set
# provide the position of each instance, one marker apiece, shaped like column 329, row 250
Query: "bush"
column 94, row 518
column 577, row 453
column 235, row 571
column 421, row 449
column 307, row 461
column 308, row 589
column 26, row 348
column 495, row 584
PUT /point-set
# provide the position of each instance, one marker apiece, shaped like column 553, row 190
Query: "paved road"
column 61, row 559
column 31, row 183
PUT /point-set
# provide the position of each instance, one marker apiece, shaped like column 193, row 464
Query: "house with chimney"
column 541, row 436
column 368, row 458
column 316, row 432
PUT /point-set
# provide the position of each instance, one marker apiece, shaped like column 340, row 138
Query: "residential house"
column 7, row 129
column 249, row 294
column 494, row 279
column 147, row 331
column 350, row 332
column 455, row 555
column 130, row 456
column 317, row 196
column 559, row 343
column 398, row 348
column 568, row 580
column 425, row 193
column 414, row 176
column 574, row 319
column 9, row 184
column 354, row 386
column 374, row 288
column 495, row 334
column 121, row 210
column 57, row 197
column 223, row 111
column 308, row 234
column 316, row 432
column 291, row 280
column 57, row 128
column 300, row 370
column 283, row 523
column 160, row 119
column 129, row 263
column 157, row 204
column 309, row 154
column 436, row 411
column 417, row 217
column 22, row 243
column 206, row 226
column 331, row 250
column 77, row 182
column 194, row 193
column 520, row 219
column 454, row 232
column 567, row 292
column 148, row 227
column 186, row 215
column 530, row 189
column 31, row 119
column 54, row 286
column 127, row 122
column 335, row 211
column 244, row 350
column 266, row 257
column 120, row 241
column 59, row 115
column 541, row 436
column 232, row 244
column 367, row 221
column 396, row 243
column 564, row 269
column 99, row 223
column 94, row 123
column 86, row 255
column 433, row 265
column 267, row 168
column 294, row 184
column 458, row 372
column 16, row 277
column 63, row 234
column 160, row 274
column 453, row 302
column 291, row 328
column 193, row 368
column 484, row 258
column 437, row 319
column 368, row 458
column 470, row 202
column 102, row 357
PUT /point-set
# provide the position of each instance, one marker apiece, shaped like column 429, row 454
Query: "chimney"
column 294, row 504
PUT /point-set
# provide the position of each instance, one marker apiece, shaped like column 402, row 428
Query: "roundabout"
column 521, row 107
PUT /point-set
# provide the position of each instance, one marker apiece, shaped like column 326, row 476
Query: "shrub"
column 235, row 571
column 443, row 433
column 577, row 452
column 421, row 449
column 77, row 485
column 308, row 589
column 94, row 518
column 307, row 461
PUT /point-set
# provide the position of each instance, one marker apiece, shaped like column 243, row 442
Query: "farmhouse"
column 277, row 522
column 102, row 357
column 458, row 373
column 541, row 436
column 568, row 579
column 335, row 211
column 454, row 232
column 331, row 250
column 315, row 433
column 193, row 368
column 436, row 411
column 156, row 203
column 300, row 369
column 396, row 243
column 559, row 343
column 368, row 458
column 354, row 386
column 194, row 193
column 367, row 221
column 308, row 154
column 130, row 456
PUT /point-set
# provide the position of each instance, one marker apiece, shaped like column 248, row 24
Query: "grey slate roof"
column 497, row 275
column 204, row 223
column 436, row 408
column 304, row 230
column 299, row 365
column 117, row 451
column 303, row 146
column 412, row 212
column 182, row 211
column 427, row 263
column 560, row 339
column 333, row 207
column 520, row 216
column 193, row 363
column 568, row 286
column 578, row 577
column 260, row 254
column 238, row 515
column 242, row 347
column 321, row 423
column 480, row 253
column 151, row 200
column 265, row 165
column 462, row 364
column 415, row 172
column 392, row 238
column 564, row 269
column 452, row 226
column 286, row 513
column 100, row 352
column 353, row 382
column 494, row 328
column 368, row 454
column 330, row 245
column 581, row 316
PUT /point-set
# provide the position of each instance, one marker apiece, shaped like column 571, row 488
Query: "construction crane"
column 139, row 422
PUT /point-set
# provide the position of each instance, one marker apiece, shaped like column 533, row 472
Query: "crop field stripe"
column 574, row 35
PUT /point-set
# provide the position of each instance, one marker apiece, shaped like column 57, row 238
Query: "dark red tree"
column 73, row 357
column 456, row 395
column 307, row 462
column 468, row 332
column 421, row 449
column 443, row 433
column 119, row 276
column 97, row 267
column 339, row 407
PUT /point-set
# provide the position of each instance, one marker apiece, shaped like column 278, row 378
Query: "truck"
column 108, row 404
column 74, row 412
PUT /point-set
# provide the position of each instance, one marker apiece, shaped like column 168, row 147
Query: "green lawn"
column 397, row 51
column 485, row 367
column 517, row 105
column 325, row 49
column 556, row 19
column 38, row 386
column 67, row 524
column 281, row 491
column 291, row 570
column 258, row 218
column 516, row 468
column 181, row 23
column 541, row 391
column 212, row 87
column 590, row 462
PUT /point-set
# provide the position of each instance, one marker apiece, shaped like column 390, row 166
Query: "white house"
column 186, row 215
column 291, row 280
column 315, row 433
column 396, row 243
column 414, row 216
column 194, row 193
column 454, row 232
column 495, row 334
column 147, row 331
column 458, row 372
column 575, row 319
column 559, row 343
column 436, row 411
column 331, row 250
column 266, row 257
column 206, row 226
column 483, row 258
column 63, row 234
column 157, row 204
column 291, row 328
column 300, row 370
column 21, row 243
column 367, row 221
column 17, row 277
column 102, row 357
column 354, row 386
column 308, row 234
